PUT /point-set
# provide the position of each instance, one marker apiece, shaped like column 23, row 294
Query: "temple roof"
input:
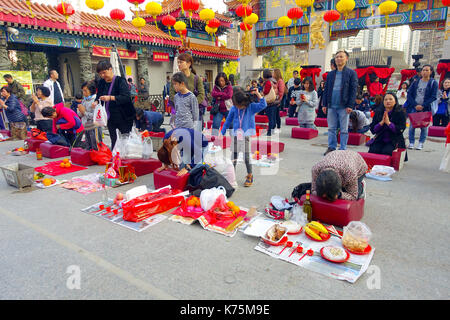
column 46, row 17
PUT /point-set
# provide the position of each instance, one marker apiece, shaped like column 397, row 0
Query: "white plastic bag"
column 133, row 147
column 209, row 196
column 100, row 115
column 356, row 236
column 445, row 163
column 381, row 173
column 148, row 148
column 221, row 164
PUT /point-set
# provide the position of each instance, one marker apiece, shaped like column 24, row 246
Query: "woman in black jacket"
column 388, row 126
column 114, row 91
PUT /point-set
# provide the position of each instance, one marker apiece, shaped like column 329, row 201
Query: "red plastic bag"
column 38, row 134
column 145, row 206
column 420, row 119
column 103, row 156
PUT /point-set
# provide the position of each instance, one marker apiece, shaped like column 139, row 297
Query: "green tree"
column 36, row 62
column 231, row 67
column 274, row 60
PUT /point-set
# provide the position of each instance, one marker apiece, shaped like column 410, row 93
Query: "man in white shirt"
column 56, row 93
column 291, row 80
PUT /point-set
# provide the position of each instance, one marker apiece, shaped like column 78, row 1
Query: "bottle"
column 38, row 154
column 307, row 207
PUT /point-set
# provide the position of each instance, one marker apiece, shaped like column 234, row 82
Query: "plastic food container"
column 281, row 239
column 356, row 236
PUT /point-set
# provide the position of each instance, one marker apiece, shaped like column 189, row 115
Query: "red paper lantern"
column 182, row 33
column 168, row 21
column 446, row 3
column 136, row 2
column 243, row 11
column 245, row 26
column 214, row 23
column 411, row 6
column 331, row 16
column 191, row 5
column 65, row 9
column 295, row 14
column 117, row 14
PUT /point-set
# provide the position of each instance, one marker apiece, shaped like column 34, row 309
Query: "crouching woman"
column 388, row 125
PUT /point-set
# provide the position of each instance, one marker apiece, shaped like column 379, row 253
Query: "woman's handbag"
column 420, row 119
column 271, row 96
column 215, row 107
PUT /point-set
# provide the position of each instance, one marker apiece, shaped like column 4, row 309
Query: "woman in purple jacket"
column 222, row 92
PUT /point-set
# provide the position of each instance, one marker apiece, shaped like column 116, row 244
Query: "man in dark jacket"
column 339, row 100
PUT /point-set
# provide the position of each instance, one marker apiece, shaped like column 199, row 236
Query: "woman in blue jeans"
column 222, row 92
column 421, row 94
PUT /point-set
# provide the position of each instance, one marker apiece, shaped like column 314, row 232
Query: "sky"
column 216, row 5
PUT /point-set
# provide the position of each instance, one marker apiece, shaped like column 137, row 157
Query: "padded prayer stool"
column 398, row 159
column 5, row 133
column 143, row 167
column 373, row 159
column 33, row 144
column 321, row 122
column 261, row 119
column 283, row 114
column 209, row 124
column 81, row 157
column 267, row 146
column 53, row 151
column 304, row 133
column 261, row 129
column 169, row 177
column 436, row 132
column 292, row 122
column 354, row 139
column 338, row 213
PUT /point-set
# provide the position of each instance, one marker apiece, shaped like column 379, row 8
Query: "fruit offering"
column 234, row 208
column 317, row 231
column 38, row 176
column 356, row 236
column 354, row 244
column 119, row 198
column 65, row 164
column 193, row 201
column 48, row 182
column 257, row 155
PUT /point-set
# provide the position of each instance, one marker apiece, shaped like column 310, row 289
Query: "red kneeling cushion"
column 398, row 159
column 373, row 159
column 338, row 213
column 283, row 114
column 54, row 151
column 292, row 122
column 5, row 133
column 169, row 177
column 81, row 157
column 304, row 133
column 209, row 124
column 261, row 119
column 321, row 122
column 33, row 144
column 267, row 146
column 143, row 167
column 434, row 131
column 354, row 139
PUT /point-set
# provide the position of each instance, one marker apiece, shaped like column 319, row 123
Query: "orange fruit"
column 62, row 165
column 66, row 160
column 68, row 165
column 47, row 182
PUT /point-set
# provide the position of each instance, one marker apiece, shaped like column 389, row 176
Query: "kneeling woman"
column 388, row 125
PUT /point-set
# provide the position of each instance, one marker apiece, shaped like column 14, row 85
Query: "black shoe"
column 328, row 151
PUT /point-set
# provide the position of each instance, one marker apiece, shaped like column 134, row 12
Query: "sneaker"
column 419, row 146
column 277, row 131
column 411, row 146
column 248, row 181
column 328, row 151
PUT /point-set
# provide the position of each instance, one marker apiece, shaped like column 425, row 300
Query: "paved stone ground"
column 43, row 232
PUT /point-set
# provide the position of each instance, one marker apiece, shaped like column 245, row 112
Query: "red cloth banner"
column 106, row 52
column 161, row 56
column 442, row 69
column 310, row 72
column 382, row 73
column 406, row 75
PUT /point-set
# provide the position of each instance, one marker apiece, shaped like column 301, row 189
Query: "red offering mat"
column 53, row 169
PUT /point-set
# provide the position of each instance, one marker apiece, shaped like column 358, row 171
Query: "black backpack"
column 204, row 177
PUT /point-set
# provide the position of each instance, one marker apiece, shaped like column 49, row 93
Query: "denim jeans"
column 217, row 121
column 271, row 112
column 423, row 134
column 337, row 118
column 292, row 111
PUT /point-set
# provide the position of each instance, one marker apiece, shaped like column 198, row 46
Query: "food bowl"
column 275, row 235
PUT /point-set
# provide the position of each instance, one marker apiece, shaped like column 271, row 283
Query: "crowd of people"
column 339, row 99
